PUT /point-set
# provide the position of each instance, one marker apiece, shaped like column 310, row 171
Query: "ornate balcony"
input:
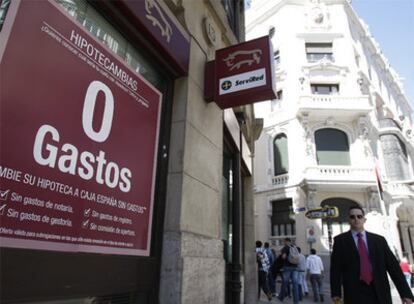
column 403, row 190
column 334, row 177
column 280, row 180
column 324, row 106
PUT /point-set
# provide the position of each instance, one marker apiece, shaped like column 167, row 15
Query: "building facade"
column 183, row 232
column 341, row 116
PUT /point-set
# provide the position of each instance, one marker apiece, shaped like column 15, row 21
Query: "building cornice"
column 271, row 7
column 376, row 54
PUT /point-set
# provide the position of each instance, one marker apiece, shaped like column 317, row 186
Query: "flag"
column 379, row 184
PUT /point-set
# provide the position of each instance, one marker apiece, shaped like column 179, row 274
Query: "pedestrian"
column 290, row 257
column 277, row 269
column 270, row 279
column 406, row 269
column 360, row 261
column 315, row 270
column 302, row 284
column 263, row 269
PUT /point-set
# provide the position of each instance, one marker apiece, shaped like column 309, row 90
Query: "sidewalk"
column 309, row 299
column 306, row 300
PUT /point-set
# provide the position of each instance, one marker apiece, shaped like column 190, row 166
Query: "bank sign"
column 79, row 132
column 244, row 73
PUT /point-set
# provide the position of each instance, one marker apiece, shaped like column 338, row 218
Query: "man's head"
column 287, row 241
column 258, row 244
column 356, row 218
column 266, row 245
column 313, row 251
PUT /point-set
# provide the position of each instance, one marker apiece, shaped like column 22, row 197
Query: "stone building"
column 199, row 239
column 340, row 116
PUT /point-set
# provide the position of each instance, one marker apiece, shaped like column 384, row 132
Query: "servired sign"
column 244, row 73
column 79, row 132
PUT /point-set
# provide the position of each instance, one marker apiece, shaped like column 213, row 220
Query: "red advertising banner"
column 79, row 132
column 244, row 73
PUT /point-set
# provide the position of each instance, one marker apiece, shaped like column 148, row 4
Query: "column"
column 311, row 193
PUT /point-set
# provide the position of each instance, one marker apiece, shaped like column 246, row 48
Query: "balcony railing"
column 324, row 105
column 314, row 57
column 399, row 189
column 280, row 180
column 340, row 174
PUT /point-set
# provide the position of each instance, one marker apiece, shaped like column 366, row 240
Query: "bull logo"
column 156, row 16
column 237, row 59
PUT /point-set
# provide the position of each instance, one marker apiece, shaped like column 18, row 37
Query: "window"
column 99, row 27
column 325, row 89
column 332, row 147
column 279, row 96
column 318, row 51
column 283, row 218
column 233, row 11
column 4, row 6
column 281, row 157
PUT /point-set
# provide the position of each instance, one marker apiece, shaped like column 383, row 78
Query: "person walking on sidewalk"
column 270, row 277
column 406, row 269
column 360, row 261
column 263, row 266
column 315, row 270
column 290, row 257
column 302, row 284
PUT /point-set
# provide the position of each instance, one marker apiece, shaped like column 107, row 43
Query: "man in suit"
column 360, row 261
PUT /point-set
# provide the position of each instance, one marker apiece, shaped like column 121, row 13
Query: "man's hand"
column 337, row 300
column 407, row 301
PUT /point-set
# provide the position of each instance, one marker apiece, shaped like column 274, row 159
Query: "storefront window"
column 69, row 276
column 4, row 6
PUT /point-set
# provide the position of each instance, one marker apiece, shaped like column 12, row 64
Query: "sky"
column 391, row 23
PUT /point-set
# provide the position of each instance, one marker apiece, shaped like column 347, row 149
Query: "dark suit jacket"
column 345, row 269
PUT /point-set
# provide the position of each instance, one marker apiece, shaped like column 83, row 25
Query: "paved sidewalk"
column 306, row 300
column 309, row 299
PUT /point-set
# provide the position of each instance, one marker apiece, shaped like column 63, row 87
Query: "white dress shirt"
column 314, row 264
column 364, row 238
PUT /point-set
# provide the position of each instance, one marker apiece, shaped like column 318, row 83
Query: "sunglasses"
column 359, row 216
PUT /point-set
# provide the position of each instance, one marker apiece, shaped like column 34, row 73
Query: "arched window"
column 332, row 147
column 281, row 157
column 395, row 157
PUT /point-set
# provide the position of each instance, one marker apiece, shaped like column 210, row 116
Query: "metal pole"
column 329, row 222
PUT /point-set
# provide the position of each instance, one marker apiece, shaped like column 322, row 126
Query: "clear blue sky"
column 391, row 23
